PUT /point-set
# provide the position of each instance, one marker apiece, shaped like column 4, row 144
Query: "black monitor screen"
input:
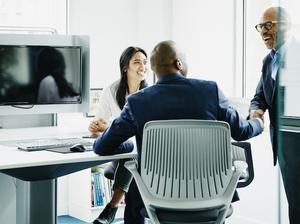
column 40, row 75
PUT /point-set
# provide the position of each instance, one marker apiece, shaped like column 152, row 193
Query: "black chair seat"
column 110, row 169
column 187, row 216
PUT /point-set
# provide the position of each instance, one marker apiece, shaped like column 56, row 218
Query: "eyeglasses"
column 267, row 25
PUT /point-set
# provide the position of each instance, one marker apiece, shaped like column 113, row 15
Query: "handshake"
column 258, row 114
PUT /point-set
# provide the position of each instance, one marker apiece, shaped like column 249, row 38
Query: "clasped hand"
column 259, row 113
column 99, row 125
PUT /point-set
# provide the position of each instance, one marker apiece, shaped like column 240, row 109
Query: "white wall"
column 205, row 30
column 34, row 13
column 112, row 29
column 154, row 22
column 198, row 26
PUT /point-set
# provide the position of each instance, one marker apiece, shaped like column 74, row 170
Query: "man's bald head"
column 277, row 14
column 275, row 35
column 167, row 58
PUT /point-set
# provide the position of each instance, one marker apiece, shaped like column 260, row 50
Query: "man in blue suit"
column 173, row 97
column 264, row 98
column 274, row 29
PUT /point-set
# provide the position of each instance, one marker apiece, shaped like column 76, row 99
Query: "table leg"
column 36, row 202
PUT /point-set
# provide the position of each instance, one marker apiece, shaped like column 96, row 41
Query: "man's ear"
column 178, row 64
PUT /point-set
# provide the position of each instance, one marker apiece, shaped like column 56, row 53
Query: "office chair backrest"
column 186, row 160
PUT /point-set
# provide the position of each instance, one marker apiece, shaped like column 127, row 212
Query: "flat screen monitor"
column 35, row 75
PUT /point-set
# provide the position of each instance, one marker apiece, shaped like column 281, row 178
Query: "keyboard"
column 43, row 144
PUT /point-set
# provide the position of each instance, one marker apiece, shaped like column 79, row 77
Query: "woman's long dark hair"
column 51, row 62
column 123, row 84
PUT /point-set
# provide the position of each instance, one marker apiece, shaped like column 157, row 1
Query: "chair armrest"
column 241, row 151
column 132, row 166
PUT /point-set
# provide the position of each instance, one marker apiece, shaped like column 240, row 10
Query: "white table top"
column 11, row 157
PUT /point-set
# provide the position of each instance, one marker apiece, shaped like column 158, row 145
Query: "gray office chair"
column 186, row 173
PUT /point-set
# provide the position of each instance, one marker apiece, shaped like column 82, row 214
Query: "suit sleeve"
column 115, row 139
column 259, row 99
column 240, row 129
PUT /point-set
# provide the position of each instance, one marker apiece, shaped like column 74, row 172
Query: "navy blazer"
column 172, row 97
column 265, row 97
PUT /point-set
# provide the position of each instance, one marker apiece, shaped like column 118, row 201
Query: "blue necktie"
column 275, row 65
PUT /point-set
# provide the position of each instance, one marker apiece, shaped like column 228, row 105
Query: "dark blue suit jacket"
column 172, row 97
column 265, row 97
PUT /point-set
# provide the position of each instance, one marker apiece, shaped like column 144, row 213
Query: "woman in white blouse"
column 133, row 68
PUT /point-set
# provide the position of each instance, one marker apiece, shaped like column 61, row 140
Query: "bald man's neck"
column 167, row 73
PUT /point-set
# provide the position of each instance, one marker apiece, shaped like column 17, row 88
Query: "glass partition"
column 288, row 106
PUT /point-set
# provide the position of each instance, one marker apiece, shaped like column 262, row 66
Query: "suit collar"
column 282, row 50
column 170, row 77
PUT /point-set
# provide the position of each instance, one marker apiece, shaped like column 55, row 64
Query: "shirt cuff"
column 260, row 122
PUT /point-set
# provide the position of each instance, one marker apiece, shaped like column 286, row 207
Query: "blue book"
column 98, row 189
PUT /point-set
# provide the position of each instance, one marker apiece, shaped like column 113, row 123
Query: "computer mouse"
column 77, row 148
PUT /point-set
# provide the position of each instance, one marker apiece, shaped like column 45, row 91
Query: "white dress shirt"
column 108, row 107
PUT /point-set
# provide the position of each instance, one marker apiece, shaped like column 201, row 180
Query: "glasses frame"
column 259, row 27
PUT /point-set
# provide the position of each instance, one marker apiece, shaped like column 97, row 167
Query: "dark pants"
column 289, row 162
column 116, row 171
column 134, row 204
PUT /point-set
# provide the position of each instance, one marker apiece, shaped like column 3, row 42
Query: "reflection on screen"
column 40, row 75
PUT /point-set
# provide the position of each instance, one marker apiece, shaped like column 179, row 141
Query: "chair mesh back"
column 186, row 159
